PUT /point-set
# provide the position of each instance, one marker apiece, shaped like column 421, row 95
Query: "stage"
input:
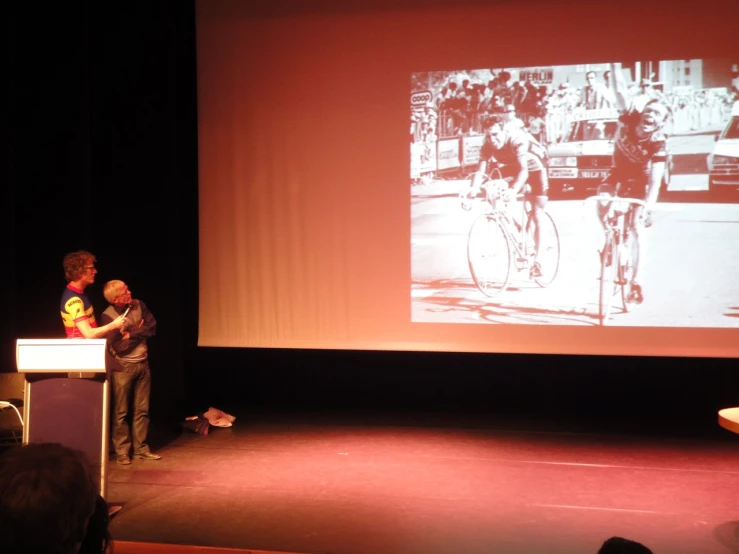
column 415, row 484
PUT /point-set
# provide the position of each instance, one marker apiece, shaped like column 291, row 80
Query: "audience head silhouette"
column 619, row 545
column 47, row 496
column 97, row 539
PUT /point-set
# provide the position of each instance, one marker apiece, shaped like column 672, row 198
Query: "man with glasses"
column 131, row 374
column 78, row 314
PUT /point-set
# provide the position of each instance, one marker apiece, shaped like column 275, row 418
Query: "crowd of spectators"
column 460, row 105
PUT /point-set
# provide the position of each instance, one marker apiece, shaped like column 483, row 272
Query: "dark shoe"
column 636, row 296
column 123, row 460
column 148, row 456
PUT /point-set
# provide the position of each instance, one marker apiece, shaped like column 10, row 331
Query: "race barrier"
column 445, row 155
column 459, row 153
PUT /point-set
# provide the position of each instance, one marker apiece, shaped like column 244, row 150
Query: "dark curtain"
column 102, row 156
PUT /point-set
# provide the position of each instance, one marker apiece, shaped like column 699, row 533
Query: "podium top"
column 60, row 355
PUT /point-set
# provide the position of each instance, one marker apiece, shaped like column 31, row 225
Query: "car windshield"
column 732, row 129
column 592, row 130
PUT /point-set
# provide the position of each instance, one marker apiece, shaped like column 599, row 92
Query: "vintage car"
column 585, row 155
column 723, row 161
column 583, row 158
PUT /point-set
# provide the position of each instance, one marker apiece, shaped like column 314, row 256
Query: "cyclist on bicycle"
column 521, row 160
column 639, row 158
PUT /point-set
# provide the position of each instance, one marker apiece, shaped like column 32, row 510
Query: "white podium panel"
column 65, row 396
column 60, row 355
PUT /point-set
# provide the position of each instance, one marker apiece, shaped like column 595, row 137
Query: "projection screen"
column 337, row 151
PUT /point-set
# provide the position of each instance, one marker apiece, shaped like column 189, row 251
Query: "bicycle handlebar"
column 491, row 191
column 494, row 188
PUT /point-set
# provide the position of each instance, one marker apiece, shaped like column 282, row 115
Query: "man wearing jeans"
column 132, row 379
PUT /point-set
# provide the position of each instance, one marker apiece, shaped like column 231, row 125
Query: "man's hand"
column 508, row 195
column 466, row 197
column 126, row 335
column 619, row 86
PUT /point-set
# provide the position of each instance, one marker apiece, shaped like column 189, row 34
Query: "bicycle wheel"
column 607, row 277
column 489, row 255
column 628, row 254
column 549, row 249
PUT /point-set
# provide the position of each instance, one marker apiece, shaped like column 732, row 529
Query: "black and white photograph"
column 600, row 194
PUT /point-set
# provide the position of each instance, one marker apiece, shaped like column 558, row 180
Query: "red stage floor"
column 348, row 487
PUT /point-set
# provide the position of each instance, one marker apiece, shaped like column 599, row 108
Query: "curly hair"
column 660, row 102
column 74, row 264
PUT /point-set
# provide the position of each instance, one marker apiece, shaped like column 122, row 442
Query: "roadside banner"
column 471, row 149
column 447, row 155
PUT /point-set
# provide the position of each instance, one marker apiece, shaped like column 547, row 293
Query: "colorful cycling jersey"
column 76, row 306
column 633, row 156
column 518, row 144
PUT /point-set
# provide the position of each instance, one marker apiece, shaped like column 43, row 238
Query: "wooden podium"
column 728, row 418
column 65, row 396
